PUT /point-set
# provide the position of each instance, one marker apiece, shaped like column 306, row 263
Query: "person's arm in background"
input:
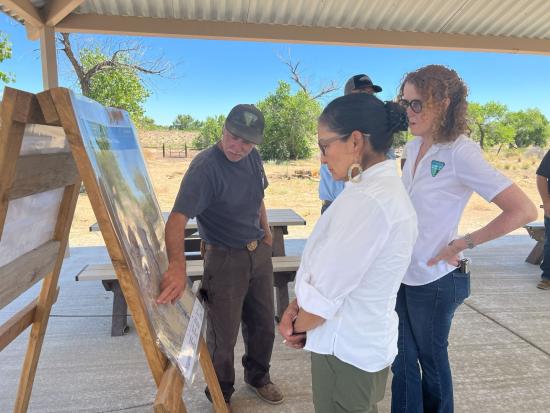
column 174, row 280
column 542, row 186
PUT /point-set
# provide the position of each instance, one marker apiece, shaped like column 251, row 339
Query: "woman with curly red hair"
column 444, row 167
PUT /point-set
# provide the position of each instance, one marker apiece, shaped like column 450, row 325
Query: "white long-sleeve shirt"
column 352, row 266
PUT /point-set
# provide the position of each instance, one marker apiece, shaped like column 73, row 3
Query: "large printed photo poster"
column 111, row 144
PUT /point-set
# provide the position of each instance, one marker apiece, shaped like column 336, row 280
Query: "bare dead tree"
column 296, row 76
column 117, row 59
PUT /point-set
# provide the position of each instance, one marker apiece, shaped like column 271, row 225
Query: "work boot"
column 269, row 393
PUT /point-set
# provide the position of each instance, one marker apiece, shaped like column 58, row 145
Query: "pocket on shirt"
column 461, row 283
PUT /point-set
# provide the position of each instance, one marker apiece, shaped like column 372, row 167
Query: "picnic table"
column 278, row 219
column 536, row 231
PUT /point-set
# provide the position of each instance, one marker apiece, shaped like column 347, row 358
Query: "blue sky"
column 212, row 76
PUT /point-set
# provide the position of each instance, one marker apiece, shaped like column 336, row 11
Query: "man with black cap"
column 329, row 189
column 224, row 188
column 361, row 84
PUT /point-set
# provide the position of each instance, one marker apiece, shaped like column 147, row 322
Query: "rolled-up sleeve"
column 339, row 259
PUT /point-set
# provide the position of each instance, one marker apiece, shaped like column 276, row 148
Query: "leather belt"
column 251, row 246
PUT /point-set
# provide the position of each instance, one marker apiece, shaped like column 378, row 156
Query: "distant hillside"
column 171, row 138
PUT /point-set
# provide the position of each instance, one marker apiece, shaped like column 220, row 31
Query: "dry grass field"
column 294, row 185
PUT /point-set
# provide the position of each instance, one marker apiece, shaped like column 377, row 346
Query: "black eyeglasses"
column 415, row 104
column 323, row 145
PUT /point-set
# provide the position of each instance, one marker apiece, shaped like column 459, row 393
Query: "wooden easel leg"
column 46, row 299
column 169, row 393
column 211, row 379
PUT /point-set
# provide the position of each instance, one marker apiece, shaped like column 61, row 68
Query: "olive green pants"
column 339, row 387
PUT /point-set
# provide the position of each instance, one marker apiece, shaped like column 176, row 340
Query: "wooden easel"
column 58, row 108
column 22, row 176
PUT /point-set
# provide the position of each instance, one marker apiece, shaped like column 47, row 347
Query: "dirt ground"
column 294, row 185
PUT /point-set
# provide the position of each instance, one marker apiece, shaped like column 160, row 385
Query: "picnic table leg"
column 119, row 321
column 535, row 256
column 281, row 280
column 278, row 241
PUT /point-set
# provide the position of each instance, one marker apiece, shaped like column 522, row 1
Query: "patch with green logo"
column 436, row 167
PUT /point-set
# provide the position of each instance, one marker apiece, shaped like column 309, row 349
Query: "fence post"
column 185, row 146
column 163, row 153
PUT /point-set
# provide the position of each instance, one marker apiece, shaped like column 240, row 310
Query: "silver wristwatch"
column 469, row 241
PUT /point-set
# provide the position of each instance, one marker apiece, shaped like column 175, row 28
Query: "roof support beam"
column 57, row 10
column 25, row 10
column 48, row 56
column 139, row 26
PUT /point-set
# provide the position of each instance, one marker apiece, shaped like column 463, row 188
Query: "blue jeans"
column 422, row 379
column 545, row 265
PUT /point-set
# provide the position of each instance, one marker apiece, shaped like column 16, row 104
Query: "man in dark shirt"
column 224, row 188
column 543, row 173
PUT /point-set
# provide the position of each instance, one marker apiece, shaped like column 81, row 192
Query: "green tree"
column 401, row 138
column 210, row 132
column 290, row 124
column 5, row 53
column 530, row 127
column 121, row 87
column 186, row 122
column 484, row 122
column 113, row 79
column 147, row 123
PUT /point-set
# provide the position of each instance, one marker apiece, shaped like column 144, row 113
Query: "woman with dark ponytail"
column 354, row 260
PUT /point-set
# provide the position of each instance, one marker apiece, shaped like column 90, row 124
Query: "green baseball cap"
column 246, row 122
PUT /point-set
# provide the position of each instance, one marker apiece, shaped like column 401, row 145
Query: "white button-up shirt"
column 352, row 266
column 444, row 181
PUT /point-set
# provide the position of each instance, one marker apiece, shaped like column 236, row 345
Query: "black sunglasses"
column 326, row 142
column 415, row 104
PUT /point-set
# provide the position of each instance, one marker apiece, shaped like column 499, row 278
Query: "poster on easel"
column 112, row 147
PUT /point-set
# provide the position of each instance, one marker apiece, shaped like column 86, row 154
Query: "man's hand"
column 268, row 238
column 286, row 327
column 173, row 284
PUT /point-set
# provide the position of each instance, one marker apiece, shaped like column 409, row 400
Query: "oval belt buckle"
column 252, row 245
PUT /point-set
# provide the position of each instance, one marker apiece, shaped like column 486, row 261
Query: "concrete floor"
column 500, row 347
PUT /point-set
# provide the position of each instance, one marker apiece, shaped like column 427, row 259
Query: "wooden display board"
column 26, row 175
column 57, row 107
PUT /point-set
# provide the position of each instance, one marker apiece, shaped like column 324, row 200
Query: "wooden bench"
column 284, row 271
column 536, row 231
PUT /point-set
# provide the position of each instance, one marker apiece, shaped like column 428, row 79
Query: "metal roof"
column 505, row 25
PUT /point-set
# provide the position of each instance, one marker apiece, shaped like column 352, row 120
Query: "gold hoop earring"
column 356, row 178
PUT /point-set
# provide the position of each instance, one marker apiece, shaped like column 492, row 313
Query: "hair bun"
column 397, row 117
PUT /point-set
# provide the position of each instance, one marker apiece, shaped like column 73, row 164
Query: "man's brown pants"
column 238, row 287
